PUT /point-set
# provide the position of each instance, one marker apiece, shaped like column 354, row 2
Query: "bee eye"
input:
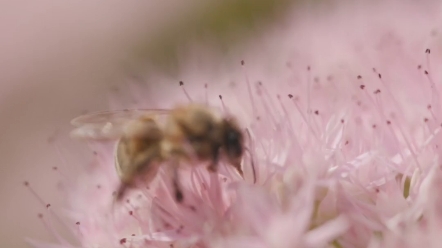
column 232, row 137
column 233, row 143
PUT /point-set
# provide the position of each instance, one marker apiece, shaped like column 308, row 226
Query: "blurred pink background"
column 56, row 57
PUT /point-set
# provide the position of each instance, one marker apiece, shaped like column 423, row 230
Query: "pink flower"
column 342, row 125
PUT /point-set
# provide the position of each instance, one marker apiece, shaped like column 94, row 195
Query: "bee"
column 144, row 142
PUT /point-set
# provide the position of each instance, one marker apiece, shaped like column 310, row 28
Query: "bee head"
column 233, row 140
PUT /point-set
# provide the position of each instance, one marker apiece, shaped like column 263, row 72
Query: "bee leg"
column 213, row 166
column 179, row 197
column 177, row 155
column 121, row 191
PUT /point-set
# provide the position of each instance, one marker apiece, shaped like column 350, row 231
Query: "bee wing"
column 108, row 125
column 115, row 116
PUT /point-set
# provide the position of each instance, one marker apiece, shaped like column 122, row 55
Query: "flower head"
column 342, row 136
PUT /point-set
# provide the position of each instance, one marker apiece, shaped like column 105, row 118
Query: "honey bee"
column 144, row 142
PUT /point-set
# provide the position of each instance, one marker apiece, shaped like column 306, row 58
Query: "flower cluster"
column 343, row 151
